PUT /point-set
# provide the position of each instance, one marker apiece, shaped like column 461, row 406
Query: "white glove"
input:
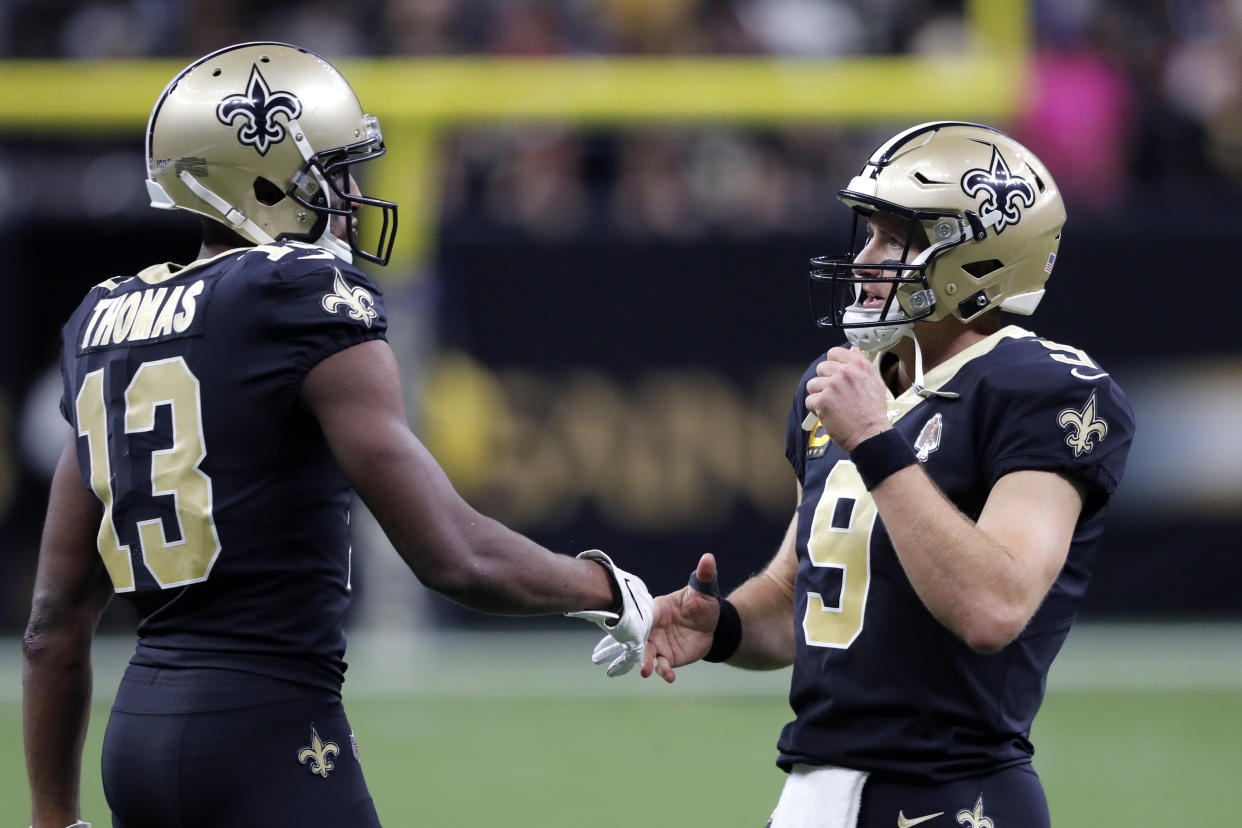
column 78, row 824
column 627, row 633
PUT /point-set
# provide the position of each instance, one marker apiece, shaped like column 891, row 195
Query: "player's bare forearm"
column 492, row 569
column 765, row 603
column 56, row 694
column 462, row 554
column 470, row 558
column 71, row 591
column 1009, row 558
column 509, row 580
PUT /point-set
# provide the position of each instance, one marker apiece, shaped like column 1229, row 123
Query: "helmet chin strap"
column 233, row 217
column 918, row 384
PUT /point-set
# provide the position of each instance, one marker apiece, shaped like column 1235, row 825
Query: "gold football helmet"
column 260, row 137
column 985, row 209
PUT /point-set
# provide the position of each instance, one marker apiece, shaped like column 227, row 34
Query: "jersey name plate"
column 152, row 314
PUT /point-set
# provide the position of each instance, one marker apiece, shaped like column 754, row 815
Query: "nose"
column 865, row 263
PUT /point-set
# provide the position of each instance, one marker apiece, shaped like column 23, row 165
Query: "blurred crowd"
column 810, row 28
column 1128, row 98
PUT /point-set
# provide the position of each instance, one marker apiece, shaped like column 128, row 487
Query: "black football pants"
column 253, row 752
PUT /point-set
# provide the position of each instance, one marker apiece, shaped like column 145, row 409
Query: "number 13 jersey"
column 878, row 683
column 225, row 516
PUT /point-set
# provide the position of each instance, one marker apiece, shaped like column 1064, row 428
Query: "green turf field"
column 551, row 755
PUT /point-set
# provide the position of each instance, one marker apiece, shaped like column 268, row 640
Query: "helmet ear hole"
column 1039, row 182
column 266, row 192
column 983, row 268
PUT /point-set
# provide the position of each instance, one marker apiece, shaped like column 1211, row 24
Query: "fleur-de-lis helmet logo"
column 1003, row 192
column 257, row 108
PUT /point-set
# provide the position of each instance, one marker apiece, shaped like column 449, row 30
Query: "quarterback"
column 953, row 478
column 219, row 415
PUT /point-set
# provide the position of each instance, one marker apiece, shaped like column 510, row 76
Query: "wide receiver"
column 953, row 479
column 219, row 414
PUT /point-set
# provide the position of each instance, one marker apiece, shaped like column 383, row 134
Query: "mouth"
column 873, row 296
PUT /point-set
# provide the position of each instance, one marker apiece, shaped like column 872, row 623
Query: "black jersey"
column 226, row 518
column 878, row 683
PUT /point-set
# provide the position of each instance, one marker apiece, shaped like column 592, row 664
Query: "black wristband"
column 879, row 456
column 728, row 635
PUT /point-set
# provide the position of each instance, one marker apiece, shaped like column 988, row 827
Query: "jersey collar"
column 939, row 376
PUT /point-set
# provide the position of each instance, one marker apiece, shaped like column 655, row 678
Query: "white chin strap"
column 233, row 217
column 918, row 384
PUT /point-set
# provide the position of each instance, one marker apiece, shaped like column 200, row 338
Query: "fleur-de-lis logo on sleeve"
column 1084, row 429
column 1003, row 192
column 257, row 109
column 319, row 755
column 356, row 301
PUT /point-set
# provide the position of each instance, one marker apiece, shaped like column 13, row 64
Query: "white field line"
column 1104, row 657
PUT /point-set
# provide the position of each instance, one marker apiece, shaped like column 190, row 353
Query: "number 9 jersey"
column 879, row 684
column 225, row 517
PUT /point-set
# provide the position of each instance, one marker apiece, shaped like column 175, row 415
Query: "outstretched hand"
column 627, row 632
column 685, row 622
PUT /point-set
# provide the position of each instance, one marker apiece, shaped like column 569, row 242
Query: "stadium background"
column 599, row 304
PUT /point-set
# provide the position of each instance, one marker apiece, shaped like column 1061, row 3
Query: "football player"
column 953, row 480
column 220, row 413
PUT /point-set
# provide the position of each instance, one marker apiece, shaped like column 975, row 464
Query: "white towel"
column 819, row 797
